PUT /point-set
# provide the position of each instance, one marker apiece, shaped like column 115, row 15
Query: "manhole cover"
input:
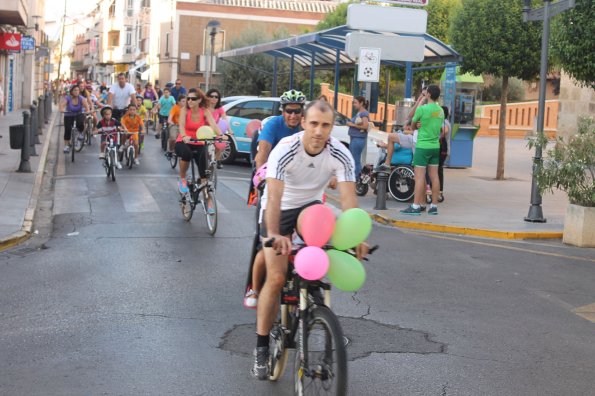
column 362, row 337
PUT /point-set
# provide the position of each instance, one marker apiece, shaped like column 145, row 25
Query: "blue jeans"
column 356, row 146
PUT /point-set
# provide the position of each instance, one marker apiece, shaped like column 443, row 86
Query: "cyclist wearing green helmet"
column 286, row 124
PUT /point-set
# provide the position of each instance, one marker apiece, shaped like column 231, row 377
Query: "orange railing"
column 344, row 105
column 520, row 119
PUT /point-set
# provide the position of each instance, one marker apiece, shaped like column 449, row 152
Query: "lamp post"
column 544, row 14
column 212, row 29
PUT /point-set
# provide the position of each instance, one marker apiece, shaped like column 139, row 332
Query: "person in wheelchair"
column 400, row 148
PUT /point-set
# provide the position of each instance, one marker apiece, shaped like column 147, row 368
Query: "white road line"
column 71, row 196
column 136, row 197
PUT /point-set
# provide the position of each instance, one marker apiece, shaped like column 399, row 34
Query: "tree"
column 253, row 74
column 572, row 44
column 492, row 38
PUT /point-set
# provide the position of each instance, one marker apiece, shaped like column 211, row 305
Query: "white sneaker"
column 251, row 299
column 118, row 165
column 102, row 156
column 136, row 161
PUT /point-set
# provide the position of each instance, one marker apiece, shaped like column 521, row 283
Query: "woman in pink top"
column 192, row 117
column 214, row 104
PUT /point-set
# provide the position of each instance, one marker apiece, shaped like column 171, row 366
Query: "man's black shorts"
column 289, row 219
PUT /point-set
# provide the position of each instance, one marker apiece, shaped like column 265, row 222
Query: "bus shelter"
column 326, row 50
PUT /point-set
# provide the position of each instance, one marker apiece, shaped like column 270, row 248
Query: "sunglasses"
column 192, row 98
column 214, row 96
column 293, row 111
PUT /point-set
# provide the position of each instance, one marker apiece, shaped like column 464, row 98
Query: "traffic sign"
column 394, row 48
column 27, row 43
column 387, row 19
column 369, row 65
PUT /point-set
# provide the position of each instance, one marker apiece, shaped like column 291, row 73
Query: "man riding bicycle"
column 298, row 171
column 275, row 129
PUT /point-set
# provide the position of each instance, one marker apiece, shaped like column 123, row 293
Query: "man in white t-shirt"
column 298, row 171
column 120, row 96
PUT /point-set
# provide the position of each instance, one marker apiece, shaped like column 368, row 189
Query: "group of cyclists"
column 297, row 158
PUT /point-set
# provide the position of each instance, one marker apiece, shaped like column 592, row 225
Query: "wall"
column 574, row 102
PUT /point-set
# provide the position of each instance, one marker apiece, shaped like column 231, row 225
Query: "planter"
column 579, row 226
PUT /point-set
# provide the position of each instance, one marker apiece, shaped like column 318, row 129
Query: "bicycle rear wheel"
column 324, row 371
column 173, row 160
column 210, row 202
column 112, row 157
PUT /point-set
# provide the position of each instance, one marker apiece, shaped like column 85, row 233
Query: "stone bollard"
column 48, row 107
column 381, row 188
column 25, row 166
column 41, row 114
column 33, row 120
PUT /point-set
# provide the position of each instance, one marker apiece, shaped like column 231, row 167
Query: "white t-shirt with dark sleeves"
column 305, row 177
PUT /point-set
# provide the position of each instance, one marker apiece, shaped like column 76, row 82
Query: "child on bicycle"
column 106, row 126
column 133, row 124
column 142, row 113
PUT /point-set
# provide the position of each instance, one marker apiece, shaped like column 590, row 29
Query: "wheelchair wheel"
column 401, row 183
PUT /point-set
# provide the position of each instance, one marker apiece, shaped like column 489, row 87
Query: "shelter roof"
column 320, row 48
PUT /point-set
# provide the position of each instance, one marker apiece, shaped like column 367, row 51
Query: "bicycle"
column 75, row 142
column 110, row 161
column 84, row 137
column 307, row 324
column 127, row 150
column 190, row 200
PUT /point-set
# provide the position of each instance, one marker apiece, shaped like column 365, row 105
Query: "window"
column 256, row 109
column 197, row 66
column 113, row 38
column 146, row 3
column 128, row 35
column 166, row 45
column 112, row 9
column 130, row 8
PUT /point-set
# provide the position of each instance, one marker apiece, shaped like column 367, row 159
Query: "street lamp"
column 212, row 29
column 541, row 14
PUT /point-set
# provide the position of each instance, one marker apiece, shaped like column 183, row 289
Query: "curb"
column 448, row 229
column 27, row 227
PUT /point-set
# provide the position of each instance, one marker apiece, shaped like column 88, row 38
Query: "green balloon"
column 352, row 228
column 345, row 271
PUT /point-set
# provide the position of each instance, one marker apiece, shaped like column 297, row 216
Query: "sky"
column 54, row 9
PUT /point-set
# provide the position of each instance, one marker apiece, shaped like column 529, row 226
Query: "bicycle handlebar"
column 297, row 247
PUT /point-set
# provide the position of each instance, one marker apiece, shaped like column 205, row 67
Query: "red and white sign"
column 10, row 42
column 409, row 2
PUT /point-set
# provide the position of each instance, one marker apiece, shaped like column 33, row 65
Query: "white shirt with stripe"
column 305, row 176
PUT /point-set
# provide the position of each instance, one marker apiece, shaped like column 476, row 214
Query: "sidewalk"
column 19, row 191
column 477, row 204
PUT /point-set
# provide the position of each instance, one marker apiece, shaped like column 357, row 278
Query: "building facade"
column 24, row 55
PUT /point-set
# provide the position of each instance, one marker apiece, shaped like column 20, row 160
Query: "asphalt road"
column 119, row 296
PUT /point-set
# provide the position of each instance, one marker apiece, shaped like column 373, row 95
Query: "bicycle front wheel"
column 324, row 368
column 210, row 204
column 130, row 157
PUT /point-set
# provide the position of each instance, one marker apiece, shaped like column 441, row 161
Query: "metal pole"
column 275, row 76
column 25, row 166
column 34, row 121
column 337, row 75
column 535, row 210
column 408, row 79
column 291, row 68
column 381, row 188
column 386, row 94
column 312, row 75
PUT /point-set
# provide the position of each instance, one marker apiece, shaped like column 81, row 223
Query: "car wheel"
column 228, row 155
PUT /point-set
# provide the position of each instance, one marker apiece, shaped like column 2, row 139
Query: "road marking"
column 518, row 249
column 71, row 196
column 586, row 312
column 137, row 197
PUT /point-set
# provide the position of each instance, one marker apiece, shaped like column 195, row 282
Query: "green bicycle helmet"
column 293, row 97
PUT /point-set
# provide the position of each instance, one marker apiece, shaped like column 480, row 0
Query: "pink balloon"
column 220, row 145
column 311, row 263
column 316, row 226
column 252, row 127
column 223, row 125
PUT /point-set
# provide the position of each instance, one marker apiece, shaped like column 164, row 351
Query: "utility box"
column 17, row 136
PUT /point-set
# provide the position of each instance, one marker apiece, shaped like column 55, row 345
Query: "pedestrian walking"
column 358, row 131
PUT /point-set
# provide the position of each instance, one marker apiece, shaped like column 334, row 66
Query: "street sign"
column 387, row 19
column 369, row 65
column 27, row 43
column 394, row 48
